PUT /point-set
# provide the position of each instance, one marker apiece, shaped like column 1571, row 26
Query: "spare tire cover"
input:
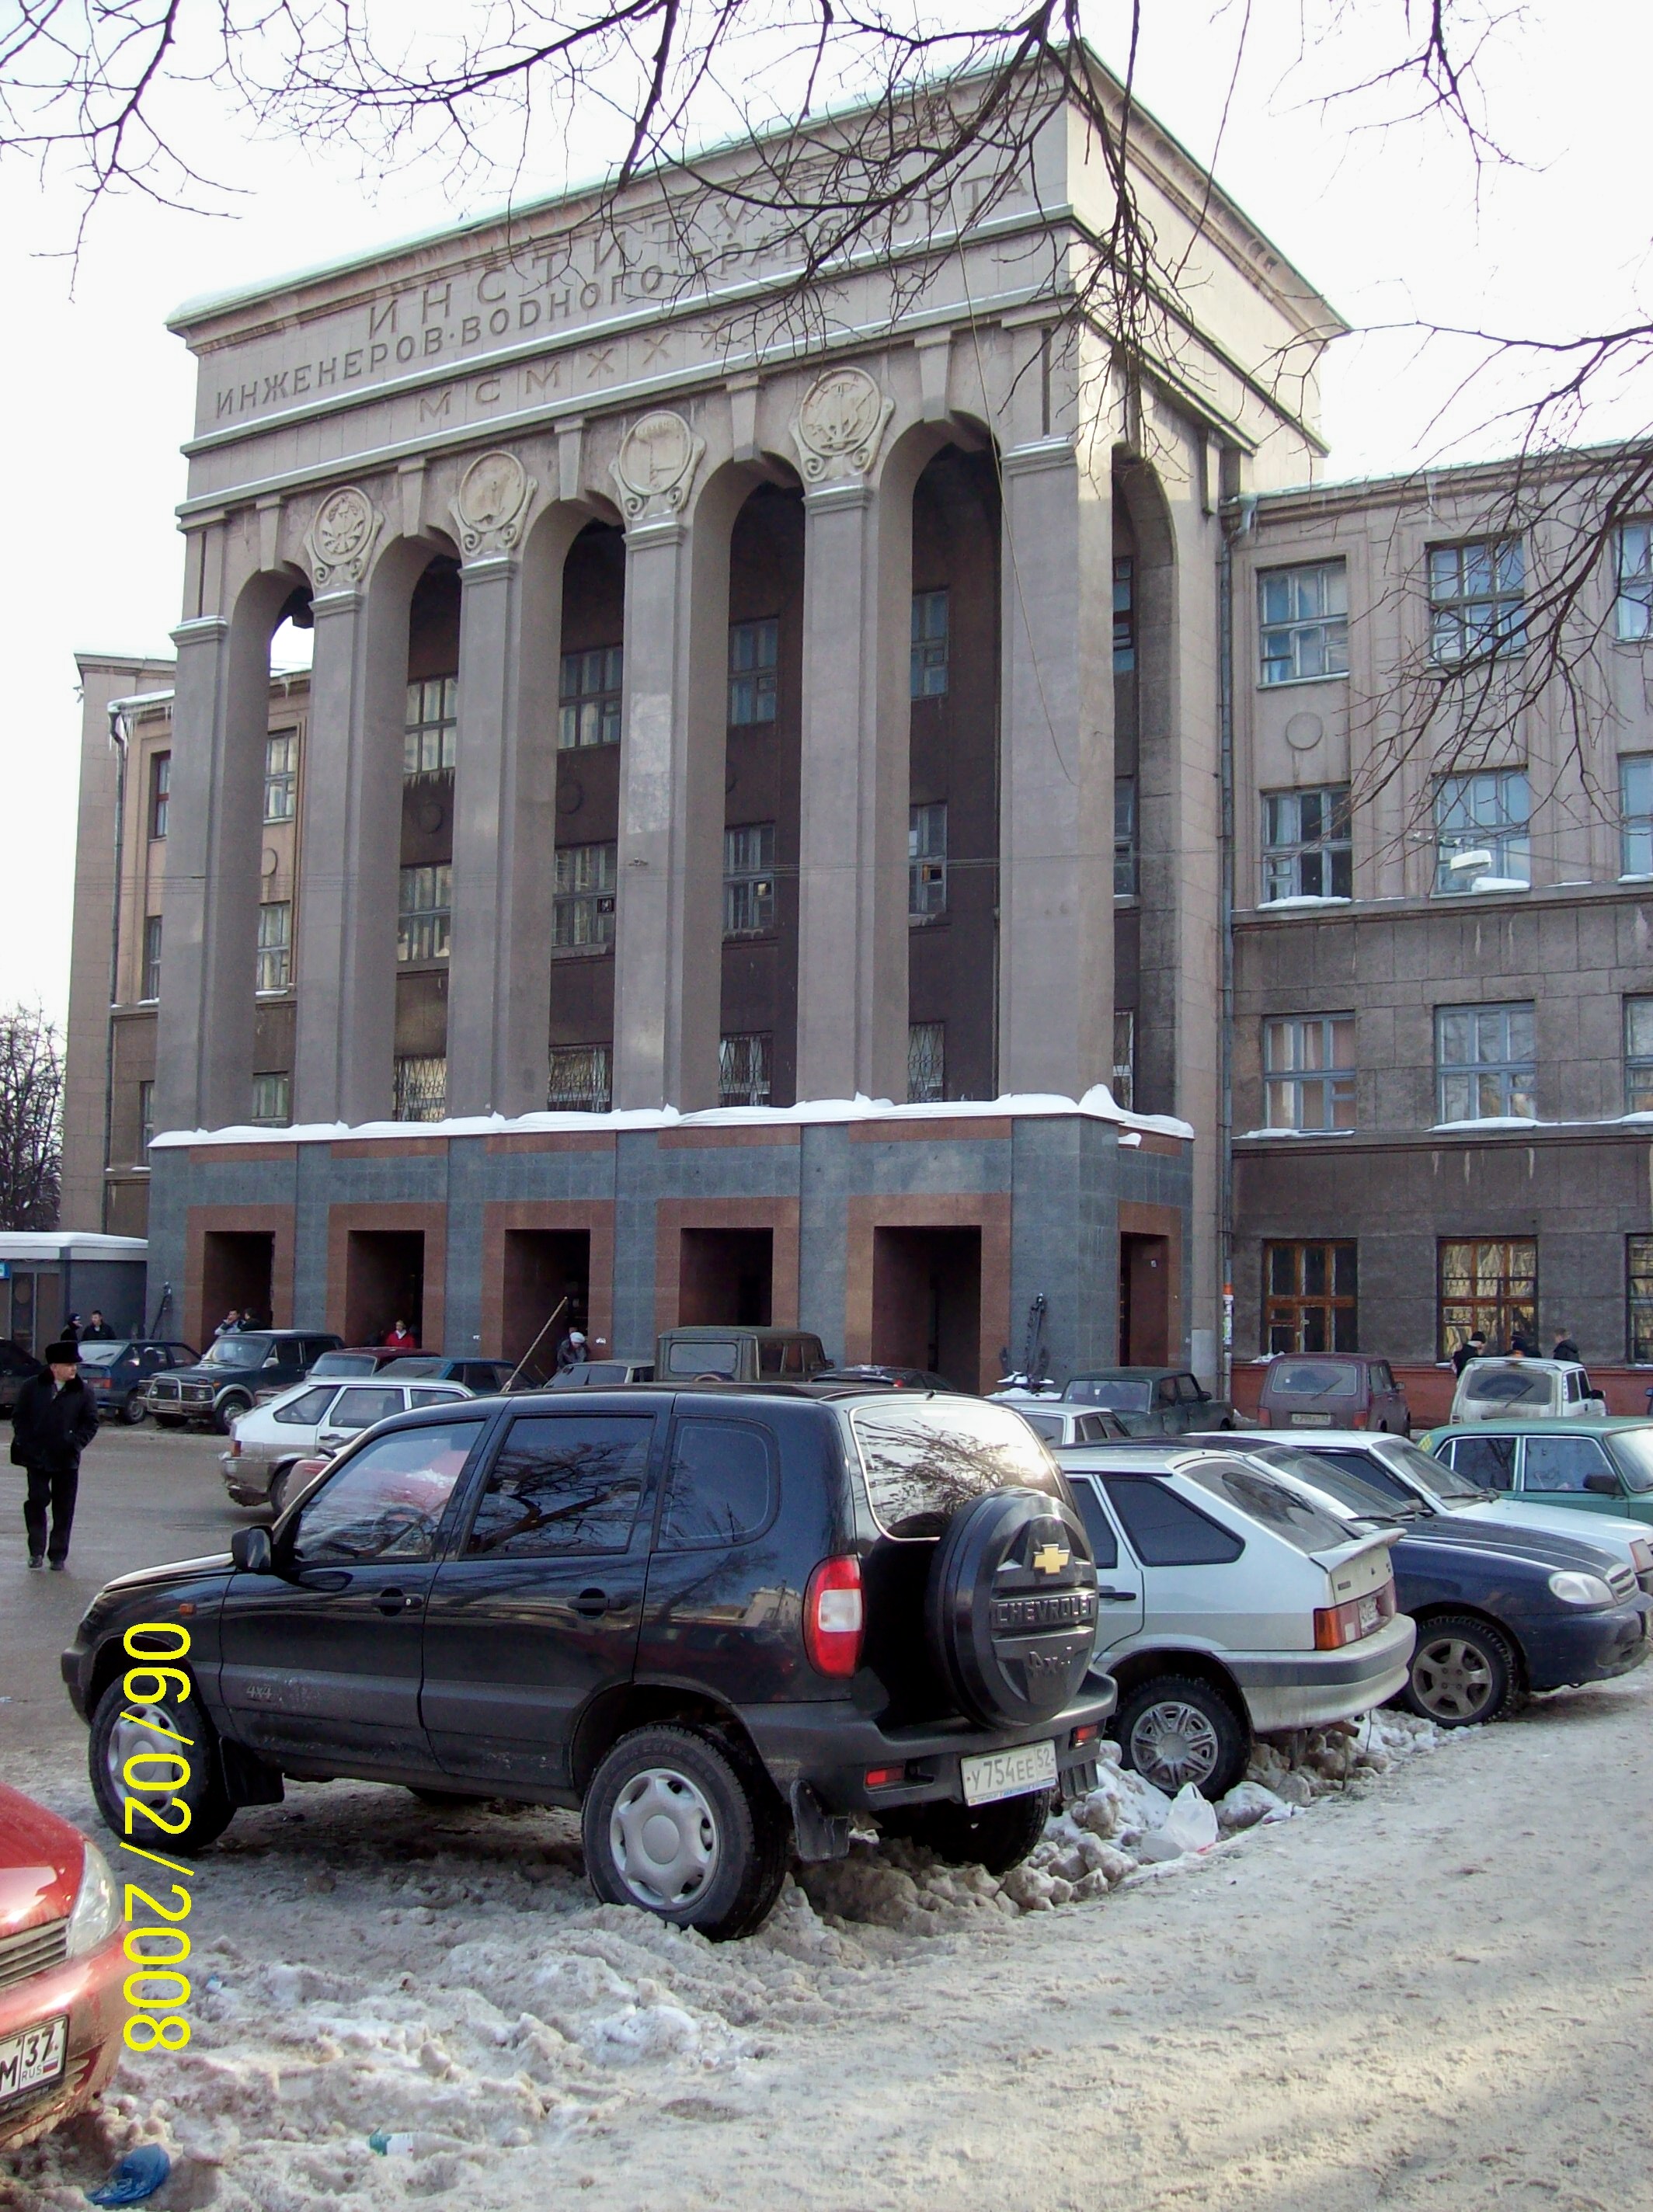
column 1010, row 1607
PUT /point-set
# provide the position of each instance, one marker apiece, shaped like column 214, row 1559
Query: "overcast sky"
column 1392, row 225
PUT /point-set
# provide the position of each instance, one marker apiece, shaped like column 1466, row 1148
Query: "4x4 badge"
column 1051, row 1558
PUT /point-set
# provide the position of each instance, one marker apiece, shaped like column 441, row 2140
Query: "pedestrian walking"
column 1473, row 1348
column 53, row 1421
column 571, row 1350
column 1565, row 1346
column 401, row 1338
column 97, row 1330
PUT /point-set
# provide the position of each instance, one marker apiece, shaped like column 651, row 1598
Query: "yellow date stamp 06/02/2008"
column 154, row 1688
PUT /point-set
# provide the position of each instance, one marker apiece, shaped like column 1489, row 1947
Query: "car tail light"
column 835, row 1617
column 1360, row 1421
column 1338, row 1625
column 234, row 1447
column 881, row 1777
column 1088, row 1734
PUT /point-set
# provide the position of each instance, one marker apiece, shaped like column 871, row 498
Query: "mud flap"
column 248, row 1778
column 821, row 1834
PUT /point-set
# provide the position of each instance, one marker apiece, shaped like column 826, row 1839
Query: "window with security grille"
column 1124, row 1083
column 1485, row 1063
column 581, row 1078
column 1485, row 812
column 582, row 911
column 1306, row 849
column 749, row 880
column 1638, row 1284
column 1309, row 1071
column 1632, row 600
column 931, row 619
column 272, row 1098
column 1125, row 843
column 420, row 1087
column 281, row 776
column 149, row 987
column 1638, row 1055
column 160, row 784
column 1124, row 614
column 1636, row 813
column 1489, row 1285
column 926, row 1062
column 754, row 672
column 1476, row 600
column 1310, row 1297
column 744, row 1069
column 926, row 861
column 1303, row 623
column 145, row 1119
column 430, row 736
column 275, row 944
column 426, row 913
column 589, row 710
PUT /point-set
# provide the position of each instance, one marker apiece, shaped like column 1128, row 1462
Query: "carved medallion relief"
column 494, row 497
column 341, row 538
column 839, row 425
column 656, row 465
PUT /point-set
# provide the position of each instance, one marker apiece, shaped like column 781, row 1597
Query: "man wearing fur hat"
column 54, row 1419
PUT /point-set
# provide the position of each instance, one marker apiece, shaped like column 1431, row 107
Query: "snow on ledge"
column 1097, row 1105
column 1246, row 1135
column 1302, row 899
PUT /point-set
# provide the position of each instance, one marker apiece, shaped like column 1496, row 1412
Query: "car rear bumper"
column 1305, row 1689
column 1590, row 1647
column 248, row 1478
column 90, row 1992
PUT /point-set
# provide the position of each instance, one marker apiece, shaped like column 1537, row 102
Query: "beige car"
column 1531, row 1390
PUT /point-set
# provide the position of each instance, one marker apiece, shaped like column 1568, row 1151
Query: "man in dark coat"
column 97, row 1330
column 1473, row 1348
column 54, row 1419
column 1565, row 1346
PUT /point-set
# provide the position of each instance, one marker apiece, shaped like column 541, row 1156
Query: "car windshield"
column 237, row 1351
column 1633, row 1449
column 925, row 1458
column 1119, row 1394
column 1507, row 1386
column 1436, row 1476
column 1304, row 1525
column 102, row 1355
column 1338, row 1479
column 1313, row 1378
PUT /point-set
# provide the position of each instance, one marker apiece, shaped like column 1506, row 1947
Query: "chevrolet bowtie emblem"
column 1051, row 1558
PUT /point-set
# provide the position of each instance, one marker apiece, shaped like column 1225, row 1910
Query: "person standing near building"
column 1473, row 1348
column 571, row 1350
column 401, row 1338
column 53, row 1421
column 97, row 1330
column 1565, row 1346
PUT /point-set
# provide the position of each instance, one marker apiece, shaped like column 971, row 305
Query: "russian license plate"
column 36, row 2055
column 1371, row 1614
column 1311, row 1420
column 999, row 1774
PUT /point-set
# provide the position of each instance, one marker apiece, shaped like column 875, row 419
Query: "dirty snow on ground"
column 362, row 1963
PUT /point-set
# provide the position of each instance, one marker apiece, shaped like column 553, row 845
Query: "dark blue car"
column 1500, row 1611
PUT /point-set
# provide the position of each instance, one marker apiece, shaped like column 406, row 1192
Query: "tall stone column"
column 1056, row 751
column 852, row 902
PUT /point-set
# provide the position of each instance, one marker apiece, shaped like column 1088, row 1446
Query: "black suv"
column 725, row 1622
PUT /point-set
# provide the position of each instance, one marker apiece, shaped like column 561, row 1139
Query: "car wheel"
column 121, row 1730
column 677, row 1823
column 278, row 1490
column 1174, row 1730
column 169, row 1421
column 1463, row 1672
column 230, row 1408
column 996, row 1837
column 132, row 1410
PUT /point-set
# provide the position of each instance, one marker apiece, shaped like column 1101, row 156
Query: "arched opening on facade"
column 1148, row 815
column 424, row 901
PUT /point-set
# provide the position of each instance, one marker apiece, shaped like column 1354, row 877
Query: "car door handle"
column 396, row 1600
column 1115, row 1596
column 592, row 1603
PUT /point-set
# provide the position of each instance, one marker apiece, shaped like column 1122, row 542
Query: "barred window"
column 930, row 642
column 926, row 1062
column 430, row 740
column 1125, row 1058
column 1475, row 600
column 1309, row 1071
column 281, row 776
column 145, row 1120
column 1306, row 847
column 581, row 1078
column 1124, row 614
column 1304, row 622
column 583, row 906
column 1488, row 1285
column 1638, row 1055
column 420, row 1087
column 1125, row 838
column 160, row 784
column 426, row 914
column 1632, row 603
column 744, row 1069
column 1638, row 1283
column 754, row 666
column 1310, row 1297
column 272, row 1098
column 1636, row 813
column 591, row 692
column 149, row 987
column 749, row 880
column 275, row 944
column 926, row 861
column 1485, row 1063
column 1485, row 812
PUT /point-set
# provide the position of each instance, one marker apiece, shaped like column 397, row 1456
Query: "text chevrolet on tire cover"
column 723, row 1623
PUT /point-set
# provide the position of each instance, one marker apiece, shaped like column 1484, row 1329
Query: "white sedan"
column 312, row 1418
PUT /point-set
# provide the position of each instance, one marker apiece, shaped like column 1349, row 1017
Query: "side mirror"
column 252, row 1551
column 1604, row 1486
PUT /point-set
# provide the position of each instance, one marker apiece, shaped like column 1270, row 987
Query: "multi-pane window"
column 929, row 645
column 926, row 1062
column 590, row 707
column 420, row 1086
column 926, row 861
column 1305, row 840
column 160, row 784
column 145, row 1119
column 430, row 739
column 749, row 879
column 272, row 1096
column 1638, row 1055
column 583, row 905
column 275, row 944
column 1309, row 1071
column 1638, row 1284
column 1475, row 600
column 1489, row 1285
column 1636, row 813
column 281, row 776
column 1304, row 622
column 1124, row 614
column 581, row 1078
column 1485, row 812
column 744, row 1069
column 1124, row 1084
column 150, row 986
column 1633, row 599
column 425, row 915
column 754, row 672
column 1309, row 1297
column 1485, row 1063
column 1125, row 839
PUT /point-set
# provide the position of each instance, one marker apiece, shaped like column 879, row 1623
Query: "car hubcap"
column 1453, row 1679
column 140, row 1728
column 664, row 1839
column 1173, row 1744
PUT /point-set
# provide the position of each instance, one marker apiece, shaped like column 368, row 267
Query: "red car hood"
column 40, row 1862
